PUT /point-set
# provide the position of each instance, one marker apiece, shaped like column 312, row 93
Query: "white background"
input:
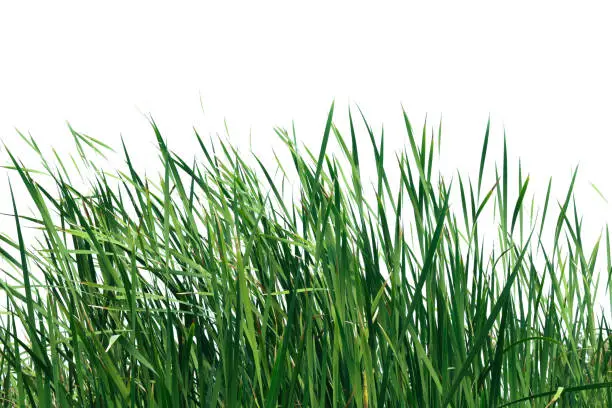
column 541, row 70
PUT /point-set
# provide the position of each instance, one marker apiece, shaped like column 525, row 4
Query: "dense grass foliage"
column 212, row 285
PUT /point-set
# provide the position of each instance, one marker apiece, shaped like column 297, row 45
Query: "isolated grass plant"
column 214, row 285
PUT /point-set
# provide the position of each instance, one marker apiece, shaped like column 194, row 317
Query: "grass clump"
column 213, row 286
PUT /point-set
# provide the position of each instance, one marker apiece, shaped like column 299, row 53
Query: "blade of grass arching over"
column 566, row 390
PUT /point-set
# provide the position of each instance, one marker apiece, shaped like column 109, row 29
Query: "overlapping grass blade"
column 210, row 285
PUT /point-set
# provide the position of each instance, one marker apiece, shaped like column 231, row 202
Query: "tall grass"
column 213, row 286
